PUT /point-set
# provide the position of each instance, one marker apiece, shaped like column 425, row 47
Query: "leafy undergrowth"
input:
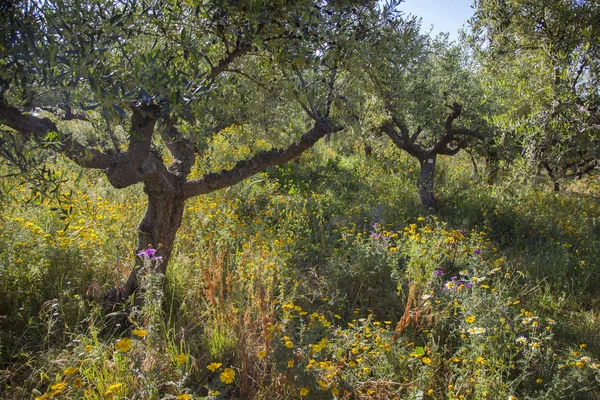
column 318, row 280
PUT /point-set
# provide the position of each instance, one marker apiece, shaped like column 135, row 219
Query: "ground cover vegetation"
column 333, row 276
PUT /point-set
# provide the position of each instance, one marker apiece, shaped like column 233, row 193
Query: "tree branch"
column 416, row 134
column 467, row 132
column 402, row 142
column 330, row 95
column 446, row 150
column 37, row 129
column 244, row 169
column 126, row 168
column 403, row 129
column 241, row 49
column 456, row 111
column 450, row 134
column 314, row 114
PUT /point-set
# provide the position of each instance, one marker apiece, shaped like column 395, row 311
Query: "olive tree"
column 424, row 97
column 541, row 62
column 151, row 67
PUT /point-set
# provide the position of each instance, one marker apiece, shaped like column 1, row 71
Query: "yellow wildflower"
column 181, row 358
column 115, row 386
column 214, row 366
column 58, row 386
column 228, row 376
column 140, row 332
column 70, row 371
column 123, row 344
column 426, row 360
column 184, row 396
column 304, row 391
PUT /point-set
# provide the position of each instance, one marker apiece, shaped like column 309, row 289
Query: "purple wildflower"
column 376, row 235
column 454, row 278
column 476, row 251
column 149, row 253
column 468, row 285
column 439, row 272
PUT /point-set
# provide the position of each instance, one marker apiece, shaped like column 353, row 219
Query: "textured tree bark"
column 552, row 175
column 157, row 230
column 491, row 166
column 167, row 190
column 426, row 180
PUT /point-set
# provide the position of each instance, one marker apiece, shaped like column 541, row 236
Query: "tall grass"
column 321, row 279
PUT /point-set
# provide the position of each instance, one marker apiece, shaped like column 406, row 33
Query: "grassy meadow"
column 320, row 279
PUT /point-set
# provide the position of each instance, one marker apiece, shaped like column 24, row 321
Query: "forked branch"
column 38, row 129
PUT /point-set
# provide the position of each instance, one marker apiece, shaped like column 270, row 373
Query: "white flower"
column 521, row 340
column 476, row 331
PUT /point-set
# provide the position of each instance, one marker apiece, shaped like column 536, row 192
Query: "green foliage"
column 318, row 279
column 287, row 281
column 540, row 64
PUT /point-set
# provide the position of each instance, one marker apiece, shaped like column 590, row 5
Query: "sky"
column 445, row 15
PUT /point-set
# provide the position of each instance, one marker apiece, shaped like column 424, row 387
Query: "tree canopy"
column 178, row 71
column 542, row 62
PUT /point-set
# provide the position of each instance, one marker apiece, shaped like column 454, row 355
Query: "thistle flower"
column 150, row 254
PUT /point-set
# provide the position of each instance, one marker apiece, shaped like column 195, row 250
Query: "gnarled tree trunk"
column 450, row 143
column 157, row 230
column 426, row 180
column 167, row 191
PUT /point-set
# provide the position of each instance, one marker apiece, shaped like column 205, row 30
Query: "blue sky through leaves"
column 445, row 15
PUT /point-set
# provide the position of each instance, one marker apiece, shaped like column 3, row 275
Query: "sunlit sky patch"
column 445, row 15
